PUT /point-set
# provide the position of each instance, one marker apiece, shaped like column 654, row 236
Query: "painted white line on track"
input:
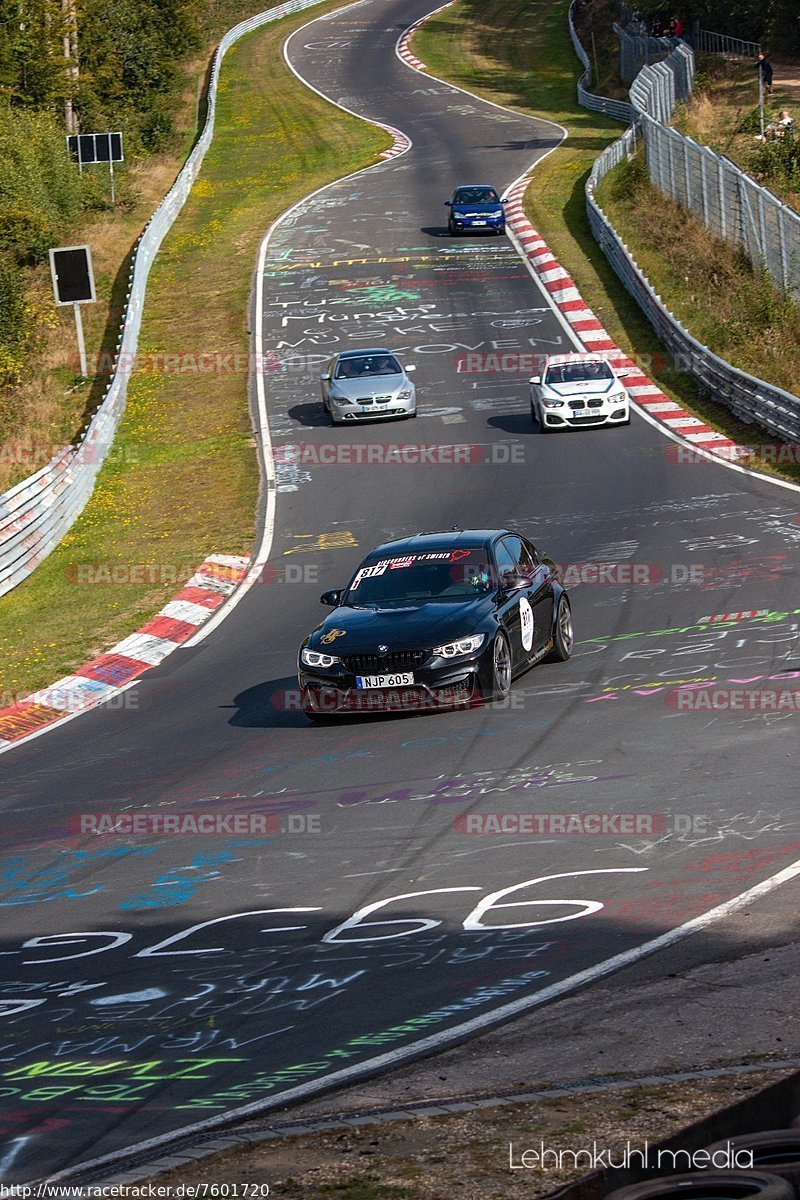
column 476, row 1025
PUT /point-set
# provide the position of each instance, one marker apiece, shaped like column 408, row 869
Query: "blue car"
column 476, row 206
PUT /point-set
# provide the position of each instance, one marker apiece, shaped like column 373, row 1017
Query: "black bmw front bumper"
column 444, row 686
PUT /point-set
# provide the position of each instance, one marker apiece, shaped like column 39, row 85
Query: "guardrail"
column 36, row 513
column 619, row 110
column 657, row 89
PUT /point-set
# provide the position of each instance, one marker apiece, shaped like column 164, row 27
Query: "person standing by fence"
column 765, row 71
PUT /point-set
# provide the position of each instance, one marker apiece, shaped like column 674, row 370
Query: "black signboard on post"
column 73, row 283
column 73, row 279
column 97, row 148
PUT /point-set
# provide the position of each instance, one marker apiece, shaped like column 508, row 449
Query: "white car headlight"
column 314, row 658
column 617, row 397
column 552, row 402
column 462, row 646
column 404, row 395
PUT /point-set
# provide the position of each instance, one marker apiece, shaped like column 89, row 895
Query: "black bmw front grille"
column 384, row 664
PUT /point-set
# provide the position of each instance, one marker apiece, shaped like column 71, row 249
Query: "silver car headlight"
column 315, row 658
column 406, row 394
column 462, row 646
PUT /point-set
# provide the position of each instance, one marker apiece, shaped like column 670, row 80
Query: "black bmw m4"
column 438, row 620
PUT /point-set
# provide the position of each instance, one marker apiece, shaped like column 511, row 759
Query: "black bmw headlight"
column 463, row 646
column 315, row 658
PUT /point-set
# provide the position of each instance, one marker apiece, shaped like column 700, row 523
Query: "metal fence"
column 637, row 50
column 729, row 202
column 619, row 110
column 751, row 399
column 720, row 43
column 36, row 513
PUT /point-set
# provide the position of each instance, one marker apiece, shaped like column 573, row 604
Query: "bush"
column 778, row 163
column 40, row 192
column 24, row 313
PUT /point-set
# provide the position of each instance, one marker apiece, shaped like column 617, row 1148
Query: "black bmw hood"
column 399, row 627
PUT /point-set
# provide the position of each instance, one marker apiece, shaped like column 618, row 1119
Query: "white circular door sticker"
column 526, row 623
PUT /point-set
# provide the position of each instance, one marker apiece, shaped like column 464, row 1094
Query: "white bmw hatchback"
column 576, row 390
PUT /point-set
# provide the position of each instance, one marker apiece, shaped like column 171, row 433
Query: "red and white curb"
column 96, row 681
column 566, row 298
column 403, row 48
column 400, row 144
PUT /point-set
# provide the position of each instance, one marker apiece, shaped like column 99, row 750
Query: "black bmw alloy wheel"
column 501, row 667
column 563, row 637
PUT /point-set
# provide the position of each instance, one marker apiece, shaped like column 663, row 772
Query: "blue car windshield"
column 476, row 195
column 436, row 575
column 367, row 365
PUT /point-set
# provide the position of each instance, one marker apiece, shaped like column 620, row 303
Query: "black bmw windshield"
column 439, row 575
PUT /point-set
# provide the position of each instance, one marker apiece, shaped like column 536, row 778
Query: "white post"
column 784, row 252
column 761, row 100
column 81, row 344
column 111, row 172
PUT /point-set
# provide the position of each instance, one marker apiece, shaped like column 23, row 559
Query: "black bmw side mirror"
column 332, row 598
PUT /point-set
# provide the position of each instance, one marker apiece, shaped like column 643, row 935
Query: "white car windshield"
column 579, row 372
column 367, row 365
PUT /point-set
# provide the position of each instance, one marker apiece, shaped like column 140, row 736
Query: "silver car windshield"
column 367, row 366
column 581, row 372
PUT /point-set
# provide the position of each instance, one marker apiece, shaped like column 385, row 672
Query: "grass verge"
column 184, row 479
column 518, row 53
